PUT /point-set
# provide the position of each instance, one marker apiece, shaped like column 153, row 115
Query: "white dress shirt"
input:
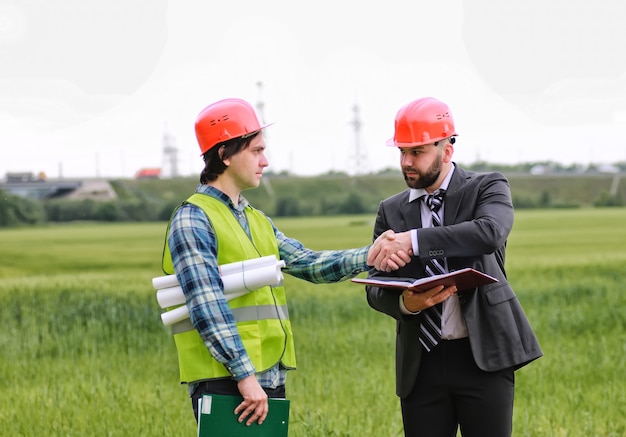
column 452, row 322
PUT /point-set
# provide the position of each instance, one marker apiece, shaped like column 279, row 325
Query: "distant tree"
column 523, row 202
column 389, row 171
column 16, row 211
column 166, row 211
column 334, row 173
column 606, row 199
column 353, row 205
column 108, row 212
column 141, row 210
column 62, row 210
column 545, row 199
column 287, row 206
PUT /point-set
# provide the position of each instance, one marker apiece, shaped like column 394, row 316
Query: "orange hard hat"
column 224, row 120
column 423, row 121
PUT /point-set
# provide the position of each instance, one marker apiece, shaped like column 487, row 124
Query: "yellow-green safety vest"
column 261, row 316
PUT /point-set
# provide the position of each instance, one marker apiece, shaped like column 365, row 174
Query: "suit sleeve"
column 482, row 216
column 385, row 300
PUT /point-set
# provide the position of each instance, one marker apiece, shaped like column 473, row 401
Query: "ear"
column 220, row 153
column 448, row 151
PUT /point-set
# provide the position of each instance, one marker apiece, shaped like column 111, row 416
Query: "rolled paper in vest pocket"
column 175, row 315
column 238, row 278
column 171, row 296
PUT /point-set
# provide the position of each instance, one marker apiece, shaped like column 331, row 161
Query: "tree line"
column 356, row 199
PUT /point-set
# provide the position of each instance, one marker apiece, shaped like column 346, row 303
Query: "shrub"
column 287, row 207
column 16, row 211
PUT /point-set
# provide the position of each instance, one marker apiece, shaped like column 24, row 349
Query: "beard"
column 423, row 179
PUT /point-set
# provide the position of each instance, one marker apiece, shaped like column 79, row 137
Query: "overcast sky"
column 88, row 88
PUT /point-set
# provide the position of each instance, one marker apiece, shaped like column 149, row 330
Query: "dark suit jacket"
column 478, row 216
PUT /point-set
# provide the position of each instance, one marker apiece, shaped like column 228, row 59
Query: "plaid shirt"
column 193, row 245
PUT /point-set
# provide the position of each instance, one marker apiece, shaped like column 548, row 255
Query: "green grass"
column 84, row 352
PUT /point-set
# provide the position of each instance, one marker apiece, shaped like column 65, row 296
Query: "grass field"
column 84, row 352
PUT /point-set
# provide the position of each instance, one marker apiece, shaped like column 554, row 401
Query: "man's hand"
column 415, row 302
column 254, row 405
column 390, row 251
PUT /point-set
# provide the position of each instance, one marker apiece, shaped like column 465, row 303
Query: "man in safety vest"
column 243, row 346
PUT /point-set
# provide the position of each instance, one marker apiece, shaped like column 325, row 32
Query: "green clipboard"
column 216, row 418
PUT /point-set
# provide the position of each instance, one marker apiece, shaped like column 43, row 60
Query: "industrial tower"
column 170, row 154
column 360, row 154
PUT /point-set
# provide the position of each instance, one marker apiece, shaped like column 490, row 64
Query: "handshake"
column 390, row 251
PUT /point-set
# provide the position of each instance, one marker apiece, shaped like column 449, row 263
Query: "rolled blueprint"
column 175, row 315
column 239, row 278
column 251, row 264
column 164, row 282
column 182, row 312
column 266, row 262
column 169, row 297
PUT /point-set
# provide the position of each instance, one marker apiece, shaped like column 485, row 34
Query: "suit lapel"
column 454, row 195
column 410, row 212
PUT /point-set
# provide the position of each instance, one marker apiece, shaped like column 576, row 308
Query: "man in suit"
column 461, row 373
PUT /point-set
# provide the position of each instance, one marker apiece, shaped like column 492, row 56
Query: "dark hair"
column 214, row 164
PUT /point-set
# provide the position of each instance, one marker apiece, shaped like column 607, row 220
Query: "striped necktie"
column 430, row 328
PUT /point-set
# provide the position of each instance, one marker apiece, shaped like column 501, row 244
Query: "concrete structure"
column 40, row 189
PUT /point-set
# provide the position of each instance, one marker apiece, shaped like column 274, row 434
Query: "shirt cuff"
column 403, row 309
column 414, row 243
column 240, row 368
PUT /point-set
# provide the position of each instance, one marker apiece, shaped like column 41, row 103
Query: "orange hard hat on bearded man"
column 422, row 121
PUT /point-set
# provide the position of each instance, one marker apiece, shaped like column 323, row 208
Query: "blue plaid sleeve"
column 320, row 266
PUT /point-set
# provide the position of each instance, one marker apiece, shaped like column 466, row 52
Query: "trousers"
column 452, row 392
